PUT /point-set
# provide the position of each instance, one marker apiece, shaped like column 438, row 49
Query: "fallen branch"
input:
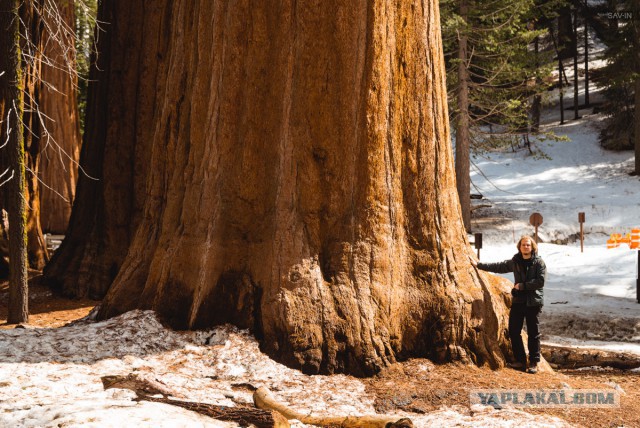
column 145, row 388
column 264, row 400
column 243, row 416
column 138, row 384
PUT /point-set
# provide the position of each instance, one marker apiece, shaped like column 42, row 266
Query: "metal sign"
column 535, row 220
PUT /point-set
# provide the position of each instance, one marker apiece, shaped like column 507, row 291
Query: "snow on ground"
column 51, row 378
column 590, row 294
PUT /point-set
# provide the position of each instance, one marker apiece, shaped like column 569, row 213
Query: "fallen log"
column 264, row 400
column 564, row 357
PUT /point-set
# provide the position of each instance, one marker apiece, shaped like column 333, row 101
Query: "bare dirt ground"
column 417, row 385
column 45, row 308
column 409, row 387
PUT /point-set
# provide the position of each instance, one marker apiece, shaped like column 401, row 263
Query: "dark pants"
column 519, row 312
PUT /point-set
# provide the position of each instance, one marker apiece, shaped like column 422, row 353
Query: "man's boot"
column 534, row 368
column 518, row 365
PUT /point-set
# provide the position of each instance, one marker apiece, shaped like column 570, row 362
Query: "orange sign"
column 632, row 239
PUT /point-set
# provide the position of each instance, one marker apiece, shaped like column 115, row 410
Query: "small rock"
column 480, row 408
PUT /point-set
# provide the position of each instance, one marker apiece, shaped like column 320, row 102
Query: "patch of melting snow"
column 51, row 378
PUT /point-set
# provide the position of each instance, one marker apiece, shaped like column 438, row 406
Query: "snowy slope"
column 590, row 294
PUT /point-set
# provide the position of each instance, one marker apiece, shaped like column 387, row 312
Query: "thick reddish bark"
column 116, row 148
column 299, row 182
column 60, row 144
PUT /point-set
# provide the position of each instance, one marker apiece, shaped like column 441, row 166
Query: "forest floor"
column 45, row 308
column 404, row 387
column 408, row 386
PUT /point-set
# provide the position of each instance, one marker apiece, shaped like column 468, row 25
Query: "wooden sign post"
column 535, row 220
column 478, row 242
column 581, row 221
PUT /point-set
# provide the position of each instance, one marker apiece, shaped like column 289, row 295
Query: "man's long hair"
column 534, row 246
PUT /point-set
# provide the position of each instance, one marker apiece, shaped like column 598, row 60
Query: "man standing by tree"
column 529, row 272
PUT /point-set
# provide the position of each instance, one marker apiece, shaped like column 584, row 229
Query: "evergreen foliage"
column 619, row 75
column 86, row 11
column 505, row 73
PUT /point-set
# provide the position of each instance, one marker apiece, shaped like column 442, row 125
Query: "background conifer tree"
column 494, row 72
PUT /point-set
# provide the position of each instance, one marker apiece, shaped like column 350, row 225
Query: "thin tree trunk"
column 558, row 49
column 32, row 44
column 637, row 126
column 300, row 182
column 536, row 106
column 463, row 144
column 561, row 91
column 612, row 6
column 636, row 27
column 586, row 64
column 576, row 102
column 11, row 109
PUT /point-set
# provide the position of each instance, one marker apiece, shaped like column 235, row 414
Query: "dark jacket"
column 533, row 278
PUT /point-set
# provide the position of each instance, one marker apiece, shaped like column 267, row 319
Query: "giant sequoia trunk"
column 115, row 150
column 60, row 144
column 300, row 182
